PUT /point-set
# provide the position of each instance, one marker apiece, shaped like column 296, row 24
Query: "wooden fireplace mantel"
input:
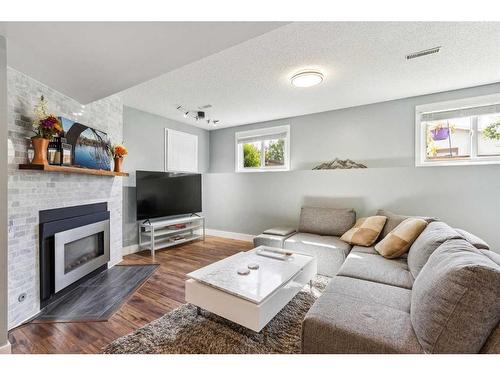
column 64, row 169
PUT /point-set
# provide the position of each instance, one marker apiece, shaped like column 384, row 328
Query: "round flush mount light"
column 307, row 78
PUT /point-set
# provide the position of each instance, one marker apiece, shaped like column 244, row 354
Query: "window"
column 461, row 132
column 265, row 149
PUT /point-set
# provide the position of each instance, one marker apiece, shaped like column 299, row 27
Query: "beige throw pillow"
column 393, row 220
column 399, row 240
column 365, row 232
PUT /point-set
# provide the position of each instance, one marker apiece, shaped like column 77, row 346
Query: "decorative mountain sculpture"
column 339, row 164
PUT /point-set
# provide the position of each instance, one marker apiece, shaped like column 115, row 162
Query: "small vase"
column 40, row 146
column 118, row 164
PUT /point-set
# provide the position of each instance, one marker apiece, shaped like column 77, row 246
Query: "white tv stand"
column 160, row 234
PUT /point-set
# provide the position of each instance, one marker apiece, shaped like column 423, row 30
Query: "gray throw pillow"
column 455, row 303
column 474, row 240
column 393, row 220
column 326, row 221
column 435, row 234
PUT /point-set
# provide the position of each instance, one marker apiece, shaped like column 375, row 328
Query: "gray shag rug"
column 182, row 331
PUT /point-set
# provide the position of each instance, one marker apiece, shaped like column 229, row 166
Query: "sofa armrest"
column 280, row 231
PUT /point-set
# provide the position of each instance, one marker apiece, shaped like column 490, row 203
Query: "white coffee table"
column 250, row 300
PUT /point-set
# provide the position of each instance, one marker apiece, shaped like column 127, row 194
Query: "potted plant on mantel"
column 118, row 152
column 45, row 126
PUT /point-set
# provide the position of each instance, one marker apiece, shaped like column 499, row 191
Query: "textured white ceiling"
column 363, row 63
column 91, row 60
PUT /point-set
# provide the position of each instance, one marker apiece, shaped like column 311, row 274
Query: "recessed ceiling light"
column 307, row 78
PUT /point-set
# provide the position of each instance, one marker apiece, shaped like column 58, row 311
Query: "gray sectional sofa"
column 442, row 297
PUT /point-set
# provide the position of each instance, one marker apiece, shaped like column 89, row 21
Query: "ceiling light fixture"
column 197, row 115
column 307, row 78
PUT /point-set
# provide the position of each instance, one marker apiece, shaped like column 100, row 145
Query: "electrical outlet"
column 21, row 297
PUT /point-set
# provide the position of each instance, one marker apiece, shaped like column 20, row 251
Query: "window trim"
column 238, row 151
column 420, row 135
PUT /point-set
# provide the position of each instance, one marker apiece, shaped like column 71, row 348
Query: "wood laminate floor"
column 161, row 293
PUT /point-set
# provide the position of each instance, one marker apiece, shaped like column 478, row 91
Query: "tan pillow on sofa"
column 399, row 240
column 365, row 232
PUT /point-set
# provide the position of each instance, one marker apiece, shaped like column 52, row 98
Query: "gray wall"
column 380, row 135
column 3, row 192
column 143, row 134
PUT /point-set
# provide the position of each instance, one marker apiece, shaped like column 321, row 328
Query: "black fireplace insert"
column 74, row 246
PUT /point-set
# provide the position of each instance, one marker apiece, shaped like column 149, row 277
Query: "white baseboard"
column 114, row 262
column 232, row 235
column 130, row 249
column 6, row 349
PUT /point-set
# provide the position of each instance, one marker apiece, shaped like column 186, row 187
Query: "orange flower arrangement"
column 119, row 151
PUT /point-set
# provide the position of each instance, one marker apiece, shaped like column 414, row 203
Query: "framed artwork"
column 90, row 146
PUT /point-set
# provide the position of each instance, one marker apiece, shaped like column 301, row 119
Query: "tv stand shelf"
column 161, row 234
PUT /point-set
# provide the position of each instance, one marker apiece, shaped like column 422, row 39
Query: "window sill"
column 262, row 170
column 457, row 163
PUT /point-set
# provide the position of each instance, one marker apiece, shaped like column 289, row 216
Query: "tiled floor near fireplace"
column 163, row 292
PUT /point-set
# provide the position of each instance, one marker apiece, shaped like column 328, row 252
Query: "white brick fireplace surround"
column 30, row 191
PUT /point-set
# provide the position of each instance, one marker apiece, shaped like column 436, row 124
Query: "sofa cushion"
column 356, row 316
column 330, row 251
column 369, row 250
column 376, row 268
column 399, row 240
column 365, row 232
column 363, row 250
column 369, row 291
column 455, row 302
column 326, row 221
column 474, row 240
column 435, row 234
column 393, row 220
column 280, row 231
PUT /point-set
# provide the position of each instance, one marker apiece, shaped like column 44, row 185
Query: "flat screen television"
column 161, row 194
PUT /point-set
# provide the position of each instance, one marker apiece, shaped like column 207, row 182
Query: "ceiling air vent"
column 425, row 52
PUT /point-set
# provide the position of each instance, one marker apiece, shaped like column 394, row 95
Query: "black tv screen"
column 161, row 194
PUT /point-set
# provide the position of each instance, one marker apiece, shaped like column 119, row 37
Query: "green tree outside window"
column 276, row 151
column 251, row 156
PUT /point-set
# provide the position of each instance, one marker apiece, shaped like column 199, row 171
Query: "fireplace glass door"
column 80, row 251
